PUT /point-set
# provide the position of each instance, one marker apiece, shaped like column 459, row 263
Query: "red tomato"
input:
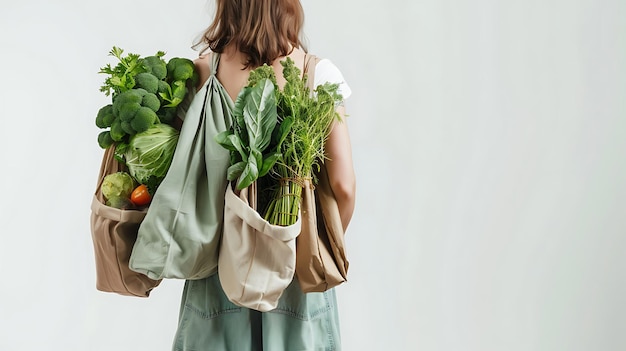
column 140, row 196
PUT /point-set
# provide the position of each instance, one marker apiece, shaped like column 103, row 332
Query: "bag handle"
column 104, row 166
column 108, row 166
column 309, row 70
column 215, row 61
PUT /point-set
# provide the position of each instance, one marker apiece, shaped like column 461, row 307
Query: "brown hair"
column 262, row 29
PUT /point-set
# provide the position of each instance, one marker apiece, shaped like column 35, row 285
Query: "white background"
column 489, row 141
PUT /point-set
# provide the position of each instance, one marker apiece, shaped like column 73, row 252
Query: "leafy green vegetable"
column 145, row 97
column 122, row 76
column 149, row 154
column 145, row 91
column 255, row 117
column 280, row 133
column 173, row 94
column 180, row 71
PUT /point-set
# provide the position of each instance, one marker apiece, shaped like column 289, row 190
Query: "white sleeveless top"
column 327, row 72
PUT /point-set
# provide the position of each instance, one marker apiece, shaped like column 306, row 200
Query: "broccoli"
column 128, row 129
column 144, row 119
column 147, row 81
column 180, row 69
column 136, row 111
column 105, row 140
column 105, row 117
column 145, row 92
column 117, row 133
column 156, row 65
column 133, row 96
column 151, row 101
column 127, row 111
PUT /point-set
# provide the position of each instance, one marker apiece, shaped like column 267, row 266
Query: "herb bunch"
column 278, row 137
column 309, row 118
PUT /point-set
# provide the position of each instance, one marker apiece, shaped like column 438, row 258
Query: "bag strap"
column 215, row 61
column 310, row 61
column 108, row 166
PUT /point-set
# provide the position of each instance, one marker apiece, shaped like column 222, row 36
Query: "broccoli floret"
column 151, row 101
column 148, row 82
column 130, row 107
column 130, row 96
column 117, row 133
column 108, row 119
column 105, row 140
column 128, row 128
column 105, row 117
column 127, row 111
column 144, row 119
column 156, row 66
column 180, row 69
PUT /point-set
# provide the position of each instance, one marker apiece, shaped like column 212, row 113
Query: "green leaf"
column 174, row 94
column 284, row 129
column 260, row 114
column 120, row 150
column 236, row 142
column 250, row 174
column 238, row 121
column 240, row 102
column 150, row 153
column 268, row 163
column 173, row 102
column 179, row 89
column 258, row 156
column 235, row 170
column 224, row 140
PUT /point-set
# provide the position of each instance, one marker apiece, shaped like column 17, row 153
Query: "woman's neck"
column 232, row 54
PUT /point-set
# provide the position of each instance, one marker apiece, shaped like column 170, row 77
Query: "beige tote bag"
column 321, row 254
column 114, row 232
column 321, row 261
column 257, row 260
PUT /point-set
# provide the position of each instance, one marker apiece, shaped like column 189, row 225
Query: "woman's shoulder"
column 203, row 62
column 326, row 71
column 203, row 67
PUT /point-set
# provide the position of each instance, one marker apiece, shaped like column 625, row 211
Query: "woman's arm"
column 340, row 168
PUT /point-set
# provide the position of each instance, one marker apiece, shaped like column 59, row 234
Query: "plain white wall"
column 488, row 139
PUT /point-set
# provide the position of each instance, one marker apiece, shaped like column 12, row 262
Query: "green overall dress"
column 208, row 321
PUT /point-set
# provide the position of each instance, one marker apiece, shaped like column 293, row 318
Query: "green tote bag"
column 179, row 237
